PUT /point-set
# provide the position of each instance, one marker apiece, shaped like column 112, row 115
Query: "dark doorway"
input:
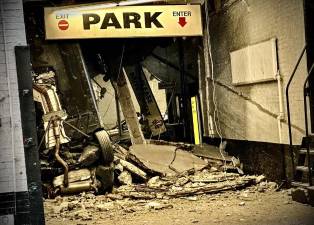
column 309, row 37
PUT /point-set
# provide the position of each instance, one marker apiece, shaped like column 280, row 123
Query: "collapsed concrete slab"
column 165, row 159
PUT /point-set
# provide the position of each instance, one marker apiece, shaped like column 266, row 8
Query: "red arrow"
column 182, row 21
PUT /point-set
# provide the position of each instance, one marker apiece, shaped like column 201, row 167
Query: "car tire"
column 105, row 145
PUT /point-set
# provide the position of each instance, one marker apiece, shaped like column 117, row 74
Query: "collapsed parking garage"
column 156, row 112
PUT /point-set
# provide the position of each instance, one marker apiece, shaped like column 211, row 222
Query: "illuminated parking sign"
column 123, row 21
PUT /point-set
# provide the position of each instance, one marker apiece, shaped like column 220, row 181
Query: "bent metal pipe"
column 56, row 130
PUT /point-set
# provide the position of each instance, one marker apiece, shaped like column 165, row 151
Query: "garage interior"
column 210, row 127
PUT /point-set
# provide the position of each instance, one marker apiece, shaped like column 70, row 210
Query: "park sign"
column 122, row 21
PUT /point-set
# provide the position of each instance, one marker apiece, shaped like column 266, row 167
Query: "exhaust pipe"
column 56, row 131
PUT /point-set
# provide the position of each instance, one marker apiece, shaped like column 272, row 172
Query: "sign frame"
column 122, row 21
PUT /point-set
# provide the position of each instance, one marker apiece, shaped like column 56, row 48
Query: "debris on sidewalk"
column 158, row 206
column 156, row 170
column 158, row 193
column 150, row 177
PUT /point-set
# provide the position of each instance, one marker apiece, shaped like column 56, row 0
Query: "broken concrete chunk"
column 311, row 195
column 272, row 185
column 114, row 196
column 158, row 206
column 240, row 171
column 157, row 182
column 242, row 204
column 235, row 161
column 125, row 178
column 105, row 206
column 260, row 179
column 165, row 159
column 83, row 215
column 64, row 206
column 74, row 175
column 124, row 188
column 89, row 155
column 190, row 198
column 133, row 169
column 154, row 182
column 198, row 184
column 175, row 188
column 182, row 181
column 72, row 205
column 118, row 167
column 264, row 185
column 45, row 76
column 261, row 189
column 213, row 177
column 300, row 195
column 207, row 189
column 138, row 195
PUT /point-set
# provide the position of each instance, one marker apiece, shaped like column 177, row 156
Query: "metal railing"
column 288, row 107
column 305, row 94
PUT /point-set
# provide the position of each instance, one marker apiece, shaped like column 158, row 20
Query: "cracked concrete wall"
column 12, row 161
column 249, row 112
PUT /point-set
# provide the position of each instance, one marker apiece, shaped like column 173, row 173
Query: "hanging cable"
column 121, row 60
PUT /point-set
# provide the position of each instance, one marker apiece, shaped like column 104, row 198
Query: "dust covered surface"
column 258, row 204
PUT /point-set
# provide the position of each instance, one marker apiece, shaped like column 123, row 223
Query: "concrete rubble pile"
column 154, row 193
column 148, row 171
column 88, row 206
column 157, row 170
column 167, row 171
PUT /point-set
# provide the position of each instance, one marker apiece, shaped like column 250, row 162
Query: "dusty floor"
column 247, row 206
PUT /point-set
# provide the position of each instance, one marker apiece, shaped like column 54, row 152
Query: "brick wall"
column 249, row 112
column 12, row 162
